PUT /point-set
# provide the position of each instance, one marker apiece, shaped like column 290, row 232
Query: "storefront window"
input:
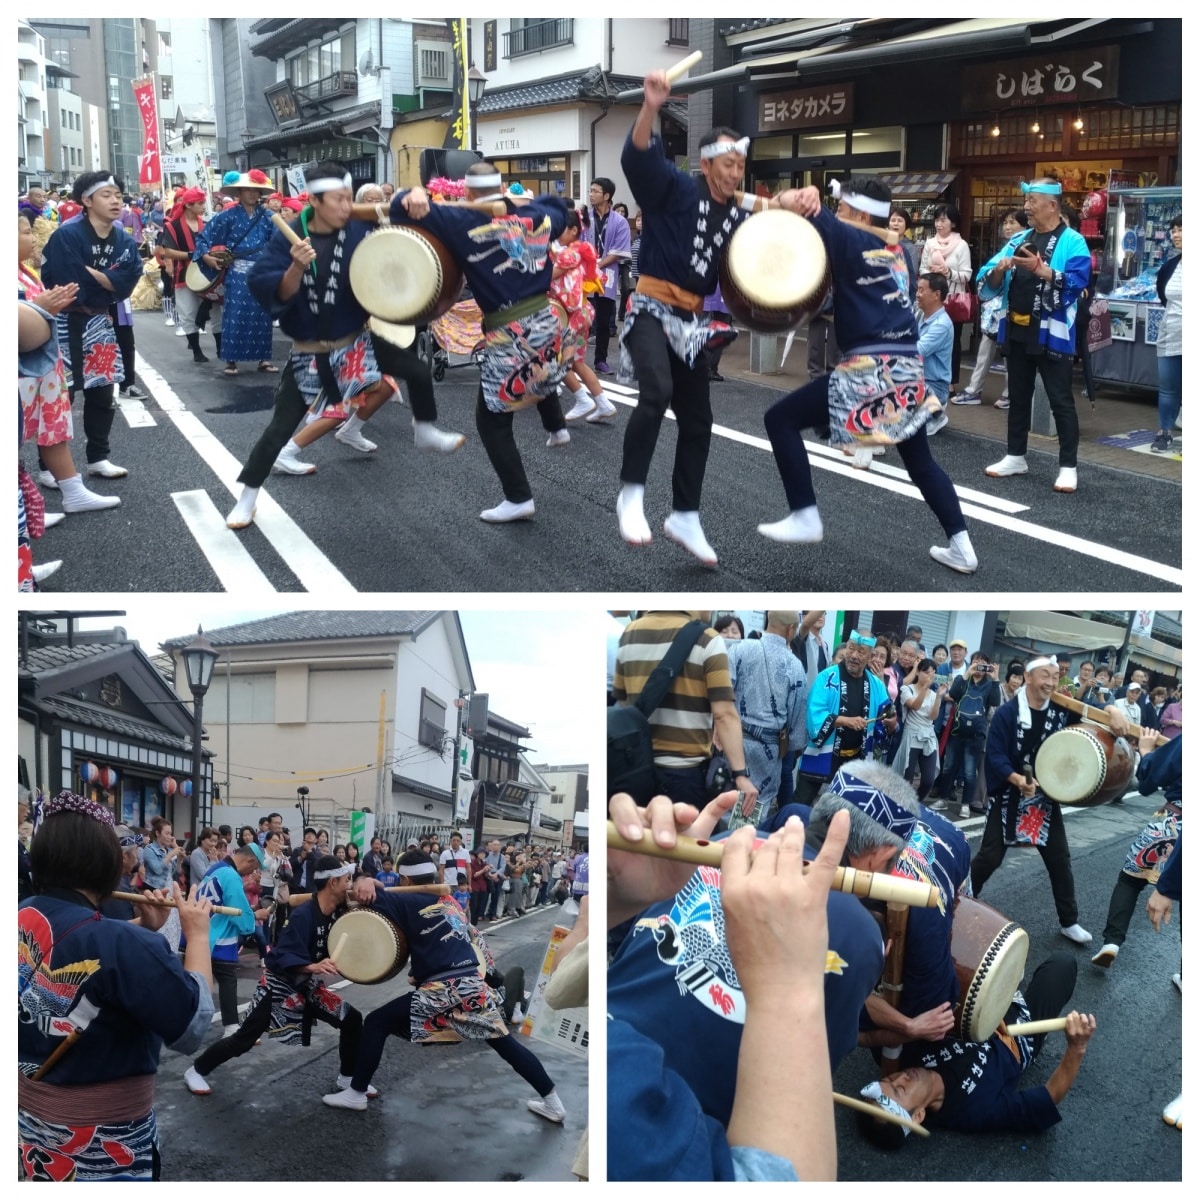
column 773, row 147
column 878, row 141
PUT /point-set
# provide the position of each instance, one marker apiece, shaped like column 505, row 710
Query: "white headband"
column 329, row 185
column 874, row 208
column 1047, row 660
column 413, row 870
column 475, row 182
column 109, row 182
column 335, row 872
column 874, row 1092
column 716, row 149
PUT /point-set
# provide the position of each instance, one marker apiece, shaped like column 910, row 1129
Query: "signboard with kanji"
column 1058, row 77
column 809, row 108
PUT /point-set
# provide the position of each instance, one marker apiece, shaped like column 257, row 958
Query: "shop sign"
column 506, row 139
column 810, row 108
column 1066, row 77
column 489, row 45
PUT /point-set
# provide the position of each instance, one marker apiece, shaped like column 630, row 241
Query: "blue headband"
column 1045, row 188
column 873, row 803
column 860, row 639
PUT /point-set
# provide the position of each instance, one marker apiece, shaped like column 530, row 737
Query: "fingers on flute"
column 735, row 862
column 623, row 812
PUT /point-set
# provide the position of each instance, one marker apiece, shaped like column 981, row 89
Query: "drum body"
column 989, row 953
column 1084, row 765
column 374, row 949
column 404, row 275
column 775, row 273
column 201, row 278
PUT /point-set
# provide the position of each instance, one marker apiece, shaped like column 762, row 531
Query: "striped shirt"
column 682, row 725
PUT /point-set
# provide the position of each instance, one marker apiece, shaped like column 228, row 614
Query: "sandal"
column 268, row 368
column 231, row 369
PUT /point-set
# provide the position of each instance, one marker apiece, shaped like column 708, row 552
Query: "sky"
column 538, row 667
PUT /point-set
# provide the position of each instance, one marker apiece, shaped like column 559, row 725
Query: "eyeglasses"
column 860, row 639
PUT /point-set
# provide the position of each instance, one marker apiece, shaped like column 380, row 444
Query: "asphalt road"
column 1111, row 1126
column 399, row 520
column 452, row 1112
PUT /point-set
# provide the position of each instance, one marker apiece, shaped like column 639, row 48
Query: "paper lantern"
column 185, row 789
column 89, row 772
column 167, row 785
column 108, row 778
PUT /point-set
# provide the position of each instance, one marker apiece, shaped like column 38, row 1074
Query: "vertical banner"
column 149, row 161
column 362, row 829
column 458, row 134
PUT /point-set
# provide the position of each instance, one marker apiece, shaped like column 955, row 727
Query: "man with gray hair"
column 768, row 690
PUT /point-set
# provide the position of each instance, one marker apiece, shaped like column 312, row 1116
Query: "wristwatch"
column 739, row 774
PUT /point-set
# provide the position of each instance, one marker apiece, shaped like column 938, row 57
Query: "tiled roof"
column 560, row 90
column 314, row 626
column 42, row 659
column 756, row 23
column 94, row 717
column 330, row 121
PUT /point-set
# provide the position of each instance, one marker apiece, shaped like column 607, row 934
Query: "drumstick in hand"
column 1029, row 1028
column 881, row 1113
column 683, row 66
column 336, row 952
column 287, row 231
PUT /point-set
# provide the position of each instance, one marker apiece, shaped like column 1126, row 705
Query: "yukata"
column 673, row 981
column 768, row 689
column 567, row 290
column 246, row 325
column 126, row 992
column 42, row 380
column 1016, row 734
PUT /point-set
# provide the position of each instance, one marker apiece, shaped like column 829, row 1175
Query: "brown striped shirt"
column 682, row 726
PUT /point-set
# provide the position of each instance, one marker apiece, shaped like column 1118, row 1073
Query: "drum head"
column 398, row 335
column 396, row 275
column 986, row 999
column 367, row 946
column 777, row 260
column 1071, row 765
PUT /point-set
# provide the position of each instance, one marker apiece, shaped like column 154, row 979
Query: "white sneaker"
column 353, row 439
column 506, row 511
column 684, row 529
column 1173, row 1113
column 560, row 437
column 1177, row 980
column 800, row 527
column 966, row 398
column 53, row 519
column 180, row 331
column 1010, row 464
column 245, row 509
column 428, row 436
column 168, row 322
column 344, row 1081
column 936, row 424
column 605, row 410
column 45, row 570
column 106, row 470
column 1107, row 956
column 631, row 519
column 77, row 498
column 1068, row 479
column 196, row 1083
column 958, row 556
column 1076, row 933
column 863, row 458
column 583, row 405
column 550, row 1107
column 289, row 461
column 46, row 479
column 346, row 1099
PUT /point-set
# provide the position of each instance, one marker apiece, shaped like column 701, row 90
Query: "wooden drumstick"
column 138, row 898
column 1029, row 1028
column 882, row 1113
column 496, row 208
column 1099, row 717
column 287, row 231
column 866, row 884
column 336, row 952
column 683, row 66
column 429, row 889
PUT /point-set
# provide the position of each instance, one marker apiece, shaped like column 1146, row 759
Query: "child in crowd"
column 461, row 893
column 388, row 876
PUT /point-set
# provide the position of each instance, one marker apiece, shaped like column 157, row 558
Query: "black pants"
column 823, row 352
column 665, row 381
column 1120, row 908
column 258, row 1021
column 685, row 785
column 406, row 364
column 1049, row 992
column 290, row 407
column 99, row 411
column 955, row 356
column 714, row 356
column 1056, row 854
column 807, row 789
column 1023, row 369
column 923, row 768
column 395, row 1017
column 496, row 433
column 125, row 342
column 225, row 976
column 605, row 311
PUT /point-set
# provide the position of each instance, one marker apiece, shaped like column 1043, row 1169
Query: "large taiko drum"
column 775, row 273
column 989, row 953
column 367, row 947
column 404, row 275
column 1084, row 765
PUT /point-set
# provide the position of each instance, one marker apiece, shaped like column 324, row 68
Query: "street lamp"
column 199, row 659
column 476, row 85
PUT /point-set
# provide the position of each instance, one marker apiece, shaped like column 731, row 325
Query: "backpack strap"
column 664, row 674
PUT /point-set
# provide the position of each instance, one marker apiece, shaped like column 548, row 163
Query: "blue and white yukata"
column 245, row 324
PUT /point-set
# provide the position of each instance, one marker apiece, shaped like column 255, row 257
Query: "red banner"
column 150, row 160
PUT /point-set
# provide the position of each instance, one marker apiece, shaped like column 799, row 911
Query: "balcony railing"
column 540, row 35
column 340, row 83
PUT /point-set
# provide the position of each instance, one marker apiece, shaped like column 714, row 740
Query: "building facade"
column 32, row 168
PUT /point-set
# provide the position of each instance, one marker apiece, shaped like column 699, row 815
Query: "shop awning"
column 1081, row 633
column 917, row 185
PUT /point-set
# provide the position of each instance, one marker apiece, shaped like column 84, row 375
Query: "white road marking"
column 303, row 557
column 135, row 413
column 893, row 479
column 229, row 559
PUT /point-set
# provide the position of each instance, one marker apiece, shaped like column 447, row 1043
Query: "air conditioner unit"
column 435, row 64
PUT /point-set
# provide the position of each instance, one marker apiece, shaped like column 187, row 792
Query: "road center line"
column 303, row 557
